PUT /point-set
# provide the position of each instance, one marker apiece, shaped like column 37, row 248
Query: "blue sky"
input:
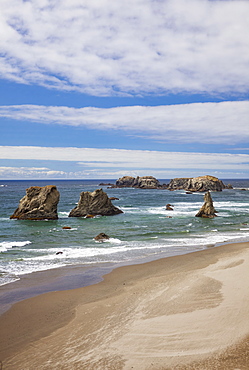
column 102, row 89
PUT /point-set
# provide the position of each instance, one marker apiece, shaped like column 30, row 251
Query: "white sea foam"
column 63, row 214
column 4, row 246
column 231, row 204
column 27, row 267
column 110, row 240
column 109, row 252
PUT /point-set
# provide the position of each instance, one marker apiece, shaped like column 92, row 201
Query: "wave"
column 63, row 214
column 4, row 246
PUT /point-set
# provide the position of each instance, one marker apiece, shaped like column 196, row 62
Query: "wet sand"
column 182, row 312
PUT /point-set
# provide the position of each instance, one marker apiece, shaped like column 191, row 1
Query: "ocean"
column 146, row 230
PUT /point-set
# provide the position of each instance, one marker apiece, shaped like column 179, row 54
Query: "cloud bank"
column 212, row 123
column 29, row 172
column 103, row 160
column 126, row 47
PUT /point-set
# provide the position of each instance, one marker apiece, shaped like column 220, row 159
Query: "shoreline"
column 166, row 313
column 70, row 277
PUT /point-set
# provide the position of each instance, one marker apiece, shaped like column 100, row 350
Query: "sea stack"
column 207, row 210
column 39, row 203
column 95, row 203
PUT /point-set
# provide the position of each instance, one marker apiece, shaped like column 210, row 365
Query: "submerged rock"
column 169, row 207
column 207, row 210
column 101, row 237
column 95, row 203
column 39, row 203
column 200, row 184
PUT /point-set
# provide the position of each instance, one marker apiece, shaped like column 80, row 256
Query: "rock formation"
column 39, row 203
column 95, row 203
column 207, row 210
column 144, row 182
column 101, row 237
column 193, row 184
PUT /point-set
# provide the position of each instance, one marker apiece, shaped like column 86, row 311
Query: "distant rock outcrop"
column 125, row 182
column 106, row 184
column 193, row 184
column 39, row 203
column 144, row 182
column 207, row 210
column 95, row 203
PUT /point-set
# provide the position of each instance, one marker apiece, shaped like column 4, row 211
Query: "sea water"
column 145, row 229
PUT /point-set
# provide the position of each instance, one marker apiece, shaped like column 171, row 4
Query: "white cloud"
column 119, row 159
column 126, row 47
column 29, row 172
column 225, row 122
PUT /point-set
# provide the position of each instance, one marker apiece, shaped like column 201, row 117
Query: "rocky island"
column 190, row 184
column 39, row 203
column 194, row 184
column 144, row 182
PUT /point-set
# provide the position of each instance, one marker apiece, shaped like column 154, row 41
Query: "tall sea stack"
column 207, row 210
column 39, row 203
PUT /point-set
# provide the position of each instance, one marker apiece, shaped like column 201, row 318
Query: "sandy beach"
column 183, row 312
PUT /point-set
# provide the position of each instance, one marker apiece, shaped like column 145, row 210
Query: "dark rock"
column 200, row 184
column 66, row 228
column 169, row 207
column 189, row 192
column 228, row 186
column 39, row 203
column 207, row 210
column 144, row 182
column 59, row 253
column 106, row 184
column 101, row 237
column 95, row 203
column 113, row 198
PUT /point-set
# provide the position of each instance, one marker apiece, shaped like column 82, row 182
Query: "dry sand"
column 184, row 312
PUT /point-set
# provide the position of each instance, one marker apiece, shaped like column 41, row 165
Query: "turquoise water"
column 143, row 230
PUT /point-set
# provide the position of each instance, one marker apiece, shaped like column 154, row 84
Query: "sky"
column 100, row 89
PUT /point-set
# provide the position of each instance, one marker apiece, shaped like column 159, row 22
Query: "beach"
column 182, row 312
